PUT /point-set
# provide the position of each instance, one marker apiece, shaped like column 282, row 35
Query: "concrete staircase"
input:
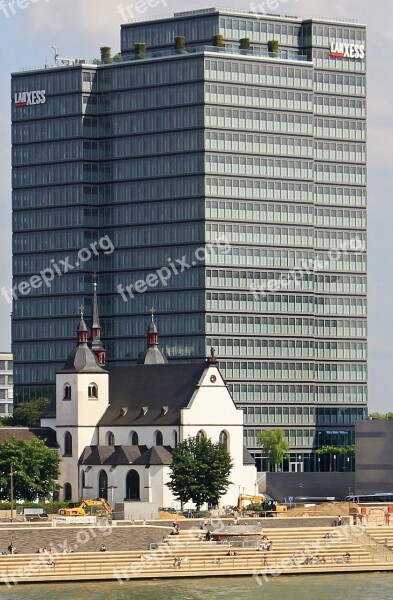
column 383, row 536
column 294, row 550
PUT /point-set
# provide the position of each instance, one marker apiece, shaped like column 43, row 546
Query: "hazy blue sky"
column 79, row 27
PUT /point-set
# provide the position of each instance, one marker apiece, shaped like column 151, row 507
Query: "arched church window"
column 110, row 438
column 67, row 492
column 174, row 439
column 103, row 485
column 133, row 486
column 224, row 439
column 134, row 438
column 201, row 435
column 67, row 392
column 93, row 391
column 159, row 439
column 67, row 444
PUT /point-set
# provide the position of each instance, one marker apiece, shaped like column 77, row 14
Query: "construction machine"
column 77, row 509
column 247, row 499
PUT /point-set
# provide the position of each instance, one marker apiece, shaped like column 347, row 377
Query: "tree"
column 35, row 467
column 380, row 416
column 28, row 414
column 273, row 47
column 333, row 452
column 106, row 55
column 200, row 471
column 274, row 445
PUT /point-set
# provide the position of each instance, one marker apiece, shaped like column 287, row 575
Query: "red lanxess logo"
column 342, row 50
column 22, row 99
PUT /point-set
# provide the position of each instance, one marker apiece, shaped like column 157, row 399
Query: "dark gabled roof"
column 132, row 387
column 157, row 455
column 46, row 434
column 82, row 360
column 247, row 457
column 111, row 455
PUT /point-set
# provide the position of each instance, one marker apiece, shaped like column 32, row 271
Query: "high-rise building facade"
column 6, row 385
column 170, row 149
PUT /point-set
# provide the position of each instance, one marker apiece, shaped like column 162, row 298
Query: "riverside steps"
column 157, row 554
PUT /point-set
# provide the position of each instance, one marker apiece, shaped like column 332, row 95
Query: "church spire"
column 152, row 355
column 81, row 332
column 96, row 343
column 152, row 332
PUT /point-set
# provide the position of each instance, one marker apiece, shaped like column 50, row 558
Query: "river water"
column 378, row 586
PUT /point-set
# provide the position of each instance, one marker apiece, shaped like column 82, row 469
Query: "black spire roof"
column 152, row 355
column 82, row 359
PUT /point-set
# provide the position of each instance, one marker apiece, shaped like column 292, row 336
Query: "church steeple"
column 152, row 355
column 81, row 332
column 82, row 359
column 96, row 343
column 152, row 332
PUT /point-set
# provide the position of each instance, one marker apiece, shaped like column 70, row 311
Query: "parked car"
column 167, row 509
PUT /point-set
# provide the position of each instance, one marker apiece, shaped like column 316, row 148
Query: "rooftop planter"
column 106, row 57
column 273, row 48
column 218, row 41
column 140, row 50
column 180, row 44
column 245, row 45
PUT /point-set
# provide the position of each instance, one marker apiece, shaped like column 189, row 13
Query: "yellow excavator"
column 77, row 509
column 246, row 499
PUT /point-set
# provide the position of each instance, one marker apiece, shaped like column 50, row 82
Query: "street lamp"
column 12, row 473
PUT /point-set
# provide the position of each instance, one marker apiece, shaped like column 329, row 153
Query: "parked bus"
column 370, row 498
column 314, row 499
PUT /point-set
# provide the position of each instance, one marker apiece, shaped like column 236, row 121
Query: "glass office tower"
column 169, row 150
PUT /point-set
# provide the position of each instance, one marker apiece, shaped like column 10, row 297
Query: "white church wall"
column 80, row 408
column 146, row 435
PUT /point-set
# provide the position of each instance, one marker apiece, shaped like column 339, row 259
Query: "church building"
column 116, row 426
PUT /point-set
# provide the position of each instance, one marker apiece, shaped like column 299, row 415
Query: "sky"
column 28, row 28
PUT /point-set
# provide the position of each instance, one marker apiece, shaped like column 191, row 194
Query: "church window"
column 67, row 492
column 134, row 438
column 103, row 485
column 133, row 486
column 67, row 392
column 224, row 440
column 67, row 444
column 93, row 392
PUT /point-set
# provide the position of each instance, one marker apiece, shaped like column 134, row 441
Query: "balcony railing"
column 258, row 53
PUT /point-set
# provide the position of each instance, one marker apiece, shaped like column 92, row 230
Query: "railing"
column 259, row 53
column 255, row 53
column 366, row 540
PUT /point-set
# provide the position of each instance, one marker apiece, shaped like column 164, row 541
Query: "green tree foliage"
column 273, row 47
column 35, row 467
column 274, row 444
column 200, row 471
column 380, row 416
column 28, row 414
column 245, row 44
column 218, row 41
column 348, row 450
